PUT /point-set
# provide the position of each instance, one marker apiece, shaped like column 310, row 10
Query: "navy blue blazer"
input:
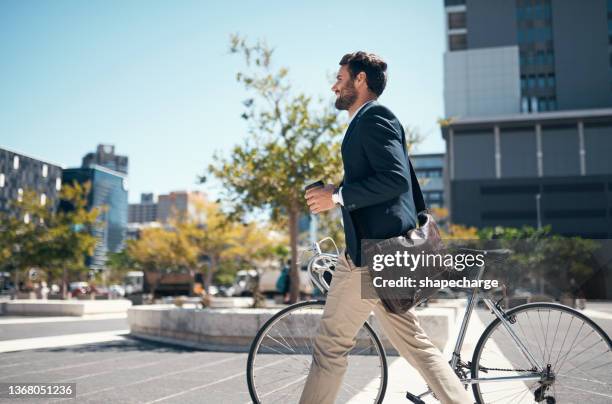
column 377, row 188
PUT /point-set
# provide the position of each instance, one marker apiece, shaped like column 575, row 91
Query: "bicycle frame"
column 321, row 262
column 473, row 299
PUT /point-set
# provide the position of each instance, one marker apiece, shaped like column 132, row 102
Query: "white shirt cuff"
column 337, row 197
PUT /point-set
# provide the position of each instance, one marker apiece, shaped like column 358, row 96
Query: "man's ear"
column 362, row 77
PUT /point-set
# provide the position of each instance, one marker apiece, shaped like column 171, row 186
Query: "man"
column 376, row 201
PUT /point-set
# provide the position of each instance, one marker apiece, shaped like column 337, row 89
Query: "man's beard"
column 346, row 98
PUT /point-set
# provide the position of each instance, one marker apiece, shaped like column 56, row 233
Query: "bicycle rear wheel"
column 281, row 353
column 574, row 357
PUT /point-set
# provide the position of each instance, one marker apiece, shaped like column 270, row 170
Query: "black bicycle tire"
column 272, row 320
column 522, row 307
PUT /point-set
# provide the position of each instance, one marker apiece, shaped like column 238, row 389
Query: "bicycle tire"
column 268, row 324
column 522, row 308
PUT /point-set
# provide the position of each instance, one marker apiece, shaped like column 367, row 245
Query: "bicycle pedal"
column 414, row 399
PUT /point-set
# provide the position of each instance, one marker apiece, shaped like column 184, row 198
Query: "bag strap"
column 417, row 194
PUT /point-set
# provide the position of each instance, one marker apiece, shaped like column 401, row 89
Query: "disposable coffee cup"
column 317, row 184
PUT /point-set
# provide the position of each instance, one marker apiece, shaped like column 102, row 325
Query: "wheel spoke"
column 578, row 352
column 290, row 334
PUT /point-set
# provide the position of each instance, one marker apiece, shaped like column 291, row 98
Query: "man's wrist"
column 337, row 196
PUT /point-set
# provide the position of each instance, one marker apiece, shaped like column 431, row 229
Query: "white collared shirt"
column 337, row 198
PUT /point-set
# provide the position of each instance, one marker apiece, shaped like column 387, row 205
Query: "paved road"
column 33, row 330
column 132, row 371
column 135, row 371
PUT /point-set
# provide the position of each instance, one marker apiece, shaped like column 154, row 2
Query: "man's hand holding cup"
column 319, row 197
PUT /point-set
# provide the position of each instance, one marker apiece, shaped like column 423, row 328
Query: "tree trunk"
column 65, row 283
column 212, row 267
column 294, row 274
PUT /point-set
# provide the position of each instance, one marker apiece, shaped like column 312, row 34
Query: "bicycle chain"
column 508, row 370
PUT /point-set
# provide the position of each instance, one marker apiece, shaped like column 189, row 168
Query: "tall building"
column 145, row 211
column 429, row 169
column 528, row 106
column 180, row 203
column 105, row 156
column 108, row 191
column 512, row 56
column 20, row 173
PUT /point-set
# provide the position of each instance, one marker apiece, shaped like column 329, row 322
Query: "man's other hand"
column 320, row 199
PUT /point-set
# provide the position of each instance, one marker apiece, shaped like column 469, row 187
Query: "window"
column 456, row 20
column 58, row 184
column 45, row 170
column 531, row 83
column 16, row 162
column 43, row 199
column 524, row 104
column 541, row 82
column 457, row 42
column 552, row 104
column 20, row 194
column 1, row 180
column 542, row 104
column 448, row 3
column 551, row 80
column 523, row 82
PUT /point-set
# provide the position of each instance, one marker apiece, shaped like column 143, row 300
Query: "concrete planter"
column 64, row 307
column 233, row 329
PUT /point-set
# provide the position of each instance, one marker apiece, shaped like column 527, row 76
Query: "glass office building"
column 108, row 189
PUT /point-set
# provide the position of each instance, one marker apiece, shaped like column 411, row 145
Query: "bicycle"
column 514, row 360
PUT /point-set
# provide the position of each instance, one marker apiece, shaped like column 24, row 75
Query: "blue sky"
column 155, row 79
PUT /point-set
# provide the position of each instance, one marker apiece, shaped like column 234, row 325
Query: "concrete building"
column 145, row 211
column 180, row 203
column 429, row 169
column 528, row 105
column 105, row 156
column 550, row 168
column 20, row 173
column 513, row 56
column 108, row 190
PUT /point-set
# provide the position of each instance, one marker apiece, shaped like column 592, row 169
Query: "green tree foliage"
column 35, row 236
column 188, row 245
column 291, row 140
column 547, row 262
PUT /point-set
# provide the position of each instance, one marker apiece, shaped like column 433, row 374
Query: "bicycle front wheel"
column 573, row 356
column 281, row 353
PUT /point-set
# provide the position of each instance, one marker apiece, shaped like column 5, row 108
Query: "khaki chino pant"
column 344, row 314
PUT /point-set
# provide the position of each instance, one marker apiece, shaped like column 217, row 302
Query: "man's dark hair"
column 372, row 65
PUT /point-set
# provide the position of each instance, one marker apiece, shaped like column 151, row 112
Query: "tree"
column 57, row 242
column 290, row 141
column 160, row 251
column 70, row 238
column 217, row 239
column 414, row 137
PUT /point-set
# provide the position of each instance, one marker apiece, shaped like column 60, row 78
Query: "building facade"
column 513, row 56
column 180, row 203
column 528, row 106
column 429, row 169
column 20, row 173
column 549, row 168
column 528, row 118
column 145, row 211
column 108, row 191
